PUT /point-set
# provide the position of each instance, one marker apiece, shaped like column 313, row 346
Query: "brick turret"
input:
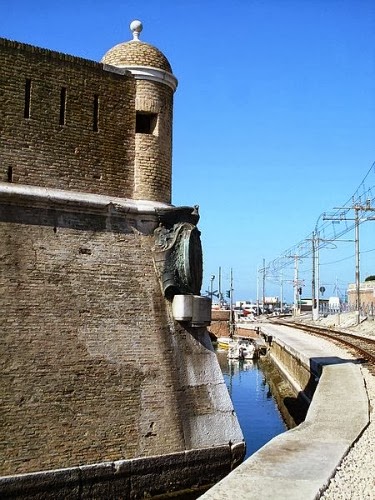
column 155, row 86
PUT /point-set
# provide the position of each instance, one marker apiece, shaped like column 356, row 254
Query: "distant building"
column 366, row 296
column 306, row 304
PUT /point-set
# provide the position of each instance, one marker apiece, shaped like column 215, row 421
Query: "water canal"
column 264, row 402
column 249, row 385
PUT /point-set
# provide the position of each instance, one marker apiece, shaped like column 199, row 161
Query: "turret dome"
column 136, row 53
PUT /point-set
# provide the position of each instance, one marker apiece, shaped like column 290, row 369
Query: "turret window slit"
column 145, row 123
column 27, row 98
column 95, row 125
column 62, row 106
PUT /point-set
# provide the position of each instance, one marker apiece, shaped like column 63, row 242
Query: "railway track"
column 362, row 346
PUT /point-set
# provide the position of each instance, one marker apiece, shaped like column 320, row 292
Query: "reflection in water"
column 255, row 407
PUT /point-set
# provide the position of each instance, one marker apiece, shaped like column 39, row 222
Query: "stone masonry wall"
column 367, row 296
column 93, row 368
column 153, row 164
column 298, row 373
column 87, row 367
column 65, row 122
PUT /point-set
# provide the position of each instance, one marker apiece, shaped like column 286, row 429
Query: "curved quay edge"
column 299, row 463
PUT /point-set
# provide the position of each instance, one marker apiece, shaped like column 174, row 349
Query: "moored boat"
column 242, row 349
column 223, row 342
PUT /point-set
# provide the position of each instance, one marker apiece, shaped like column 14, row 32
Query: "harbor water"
column 258, row 393
column 255, row 405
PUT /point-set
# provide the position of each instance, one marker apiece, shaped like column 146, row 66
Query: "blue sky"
column 274, row 116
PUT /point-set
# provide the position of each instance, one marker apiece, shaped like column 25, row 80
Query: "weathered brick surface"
column 112, row 160
column 86, row 357
column 93, row 367
column 154, row 151
column 42, row 152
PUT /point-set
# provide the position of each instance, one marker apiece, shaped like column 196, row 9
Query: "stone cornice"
column 68, row 200
column 152, row 74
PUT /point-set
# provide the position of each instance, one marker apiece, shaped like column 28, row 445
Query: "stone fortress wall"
column 94, row 367
column 87, row 358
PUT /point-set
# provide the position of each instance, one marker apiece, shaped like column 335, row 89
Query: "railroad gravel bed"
column 355, row 477
column 345, row 322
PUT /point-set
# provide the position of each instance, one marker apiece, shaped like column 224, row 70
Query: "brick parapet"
column 56, row 144
column 51, row 54
column 74, row 127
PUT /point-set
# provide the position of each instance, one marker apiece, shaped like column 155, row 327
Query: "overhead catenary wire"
column 327, row 229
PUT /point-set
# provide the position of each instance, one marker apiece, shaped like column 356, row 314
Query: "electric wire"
column 326, row 230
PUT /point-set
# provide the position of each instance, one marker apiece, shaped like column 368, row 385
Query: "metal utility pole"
column 296, row 308
column 357, row 277
column 281, row 293
column 212, row 286
column 316, row 240
column 264, row 284
column 231, row 318
column 296, row 283
column 357, row 208
column 314, row 309
column 315, row 276
column 315, row 270
column 220, row 293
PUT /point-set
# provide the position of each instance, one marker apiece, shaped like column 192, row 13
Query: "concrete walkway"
column 299, row 463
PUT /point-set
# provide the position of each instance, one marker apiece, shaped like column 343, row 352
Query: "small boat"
column 242, row 349
column 223, row 342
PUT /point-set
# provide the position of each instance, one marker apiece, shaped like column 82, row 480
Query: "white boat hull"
column 242, row 349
